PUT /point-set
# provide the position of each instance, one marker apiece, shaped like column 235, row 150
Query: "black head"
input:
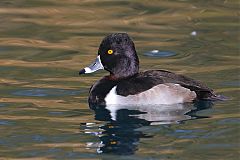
column 117, row 55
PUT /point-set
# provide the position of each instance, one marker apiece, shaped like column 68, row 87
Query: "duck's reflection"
column 121, row 134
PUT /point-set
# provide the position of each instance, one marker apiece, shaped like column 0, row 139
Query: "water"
column 43, row 102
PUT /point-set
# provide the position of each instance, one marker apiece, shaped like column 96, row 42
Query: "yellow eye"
column 110, row 51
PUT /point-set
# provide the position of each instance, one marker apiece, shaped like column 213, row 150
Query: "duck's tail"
column 218, row 97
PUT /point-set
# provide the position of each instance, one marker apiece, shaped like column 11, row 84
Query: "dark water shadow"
column 121, row 133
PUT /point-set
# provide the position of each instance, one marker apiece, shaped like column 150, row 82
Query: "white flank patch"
column 161, row 94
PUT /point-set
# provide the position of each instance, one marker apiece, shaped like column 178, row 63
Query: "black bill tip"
column 82, row 71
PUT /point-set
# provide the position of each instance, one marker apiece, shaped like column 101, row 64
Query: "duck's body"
column 127, row 86
column 150, row 87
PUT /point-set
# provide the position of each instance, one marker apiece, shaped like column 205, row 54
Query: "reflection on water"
column 121, row 135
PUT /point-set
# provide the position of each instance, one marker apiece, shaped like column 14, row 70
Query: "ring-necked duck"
column 126, row 85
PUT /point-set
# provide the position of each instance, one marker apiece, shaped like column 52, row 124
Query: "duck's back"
column 153, row 78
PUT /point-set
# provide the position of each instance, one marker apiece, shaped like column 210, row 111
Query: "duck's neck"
column 127, row 68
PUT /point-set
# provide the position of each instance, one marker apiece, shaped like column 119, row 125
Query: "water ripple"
column 52, row 92
column 158, row 53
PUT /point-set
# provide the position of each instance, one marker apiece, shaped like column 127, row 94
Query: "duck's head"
column 116, row 55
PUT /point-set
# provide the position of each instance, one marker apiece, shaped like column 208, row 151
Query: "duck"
column 126, row 85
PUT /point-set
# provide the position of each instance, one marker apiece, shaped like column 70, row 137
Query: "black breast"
column 99, row 91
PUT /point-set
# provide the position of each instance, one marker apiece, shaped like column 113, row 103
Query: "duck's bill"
column 96, row 65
